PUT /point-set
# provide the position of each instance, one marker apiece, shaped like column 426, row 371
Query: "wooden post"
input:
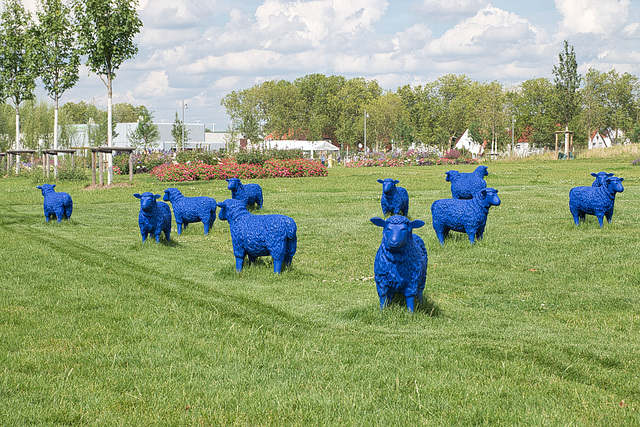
column 100, row 168
column 46, row 159
column 131, row 166
column 556, row 146
column 93, row 167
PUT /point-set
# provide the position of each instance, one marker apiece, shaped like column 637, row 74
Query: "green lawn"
column 538, row 324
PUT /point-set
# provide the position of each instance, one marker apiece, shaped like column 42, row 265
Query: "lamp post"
column 513, row 133
column 184, row 105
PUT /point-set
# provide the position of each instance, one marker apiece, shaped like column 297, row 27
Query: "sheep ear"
column 53, row 186
column 448, row 176
column 380, row 181
column 156, row 196
column 221, row 205
column 39, row 187
column 483, row 192
column 138, row 196
column 621, row 179
column 378, row 221
column 416, row 223
column 594, row 174
column 610, row 174
column 395, row 181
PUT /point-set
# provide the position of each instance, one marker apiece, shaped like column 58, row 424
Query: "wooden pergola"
column 99, row 152
column 54, row 152
column 568, row 147
column 12, row 153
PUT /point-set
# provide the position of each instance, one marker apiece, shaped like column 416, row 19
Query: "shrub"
column 253, row 157
column 227, row 168
column 194, row 156
column 636, row 162
column 143, row 162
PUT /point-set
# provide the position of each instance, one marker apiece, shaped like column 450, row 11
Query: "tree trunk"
column 18, row 147
column 109, row 129
column 55, row 139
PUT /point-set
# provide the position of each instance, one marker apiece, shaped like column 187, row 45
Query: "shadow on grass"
column 369, row 315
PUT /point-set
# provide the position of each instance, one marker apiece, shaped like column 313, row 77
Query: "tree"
column 106, row 32
column 146, row 134
column 532, row 105
column 385, row 113
column 59, row 54
column 18, row 59
column 567, row 81
column 176, row 132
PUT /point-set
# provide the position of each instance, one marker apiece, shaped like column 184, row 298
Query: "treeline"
column 317, row 106
column 37, row 116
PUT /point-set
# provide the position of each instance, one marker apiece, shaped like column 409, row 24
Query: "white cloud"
column 592, row 16
column 155, row 85
column 490, row 31
column 452, row 7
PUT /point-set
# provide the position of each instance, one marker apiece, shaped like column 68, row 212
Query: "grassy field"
column 538, row 324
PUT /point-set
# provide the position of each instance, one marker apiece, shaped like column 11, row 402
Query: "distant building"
column 467, row 143
column 195, row 136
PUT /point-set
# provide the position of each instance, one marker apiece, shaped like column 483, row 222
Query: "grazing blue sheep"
column 465, row 216
column 191, row 209
column 155, row 217
column 250, row 193
column 59, row 205
column 466, row 185
column 596, row 201
column 401, row 261
column 600, row 178
column 394, row 199
column 259, row 235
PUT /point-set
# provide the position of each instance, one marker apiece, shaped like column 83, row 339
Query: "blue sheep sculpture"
column 465, row 216
column 596, row 201
column 56, row 204
column 154, row 217
column 250, row 193
column 394, row 200
column 466, row 185
column 191, row 209
column 401, row 261
column 259, row 235
column 600, row 177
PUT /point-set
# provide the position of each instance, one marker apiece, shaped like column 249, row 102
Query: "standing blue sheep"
column 466, row 185
column 250, row 193
column 394, row 199
column 59, row 205
column 191, row 209
column 154, row 217
column 596, row 201
column 259, row 235
column 600, row 177
column 401, row 261
column 465, row 216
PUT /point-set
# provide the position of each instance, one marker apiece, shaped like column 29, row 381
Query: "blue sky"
column 200, row 50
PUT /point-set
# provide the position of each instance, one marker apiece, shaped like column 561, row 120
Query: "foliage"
column 143, row 162
column 59, row 56
column 179, row 133
column 227, row 168
column 567, row 82
column 68, row 173
column 409, row 158
column 252, row 157
column 146, row 133
column 197, row 156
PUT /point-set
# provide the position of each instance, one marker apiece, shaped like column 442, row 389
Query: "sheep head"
column 614, row 184
column 388, row 185
column 490, row 196
column 397, row 231
column 169, row 193
column 234, row 184
column 147, row 200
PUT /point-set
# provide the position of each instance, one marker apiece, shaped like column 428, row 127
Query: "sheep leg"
column 179, row 224
column 600, row 218
column 59, row 214
column 239, row 262
column 441, row 235
column 46, row 216
column 144, row 236
column 277, row 265
column 157, row 237
column 384, row 301
column 471, row 234
column 609, row 215
column 409, row 303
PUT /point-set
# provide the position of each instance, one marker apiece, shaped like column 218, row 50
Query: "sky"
column 198, row 51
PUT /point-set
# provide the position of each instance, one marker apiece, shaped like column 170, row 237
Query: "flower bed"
column 409, row 161
column 291, row 168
